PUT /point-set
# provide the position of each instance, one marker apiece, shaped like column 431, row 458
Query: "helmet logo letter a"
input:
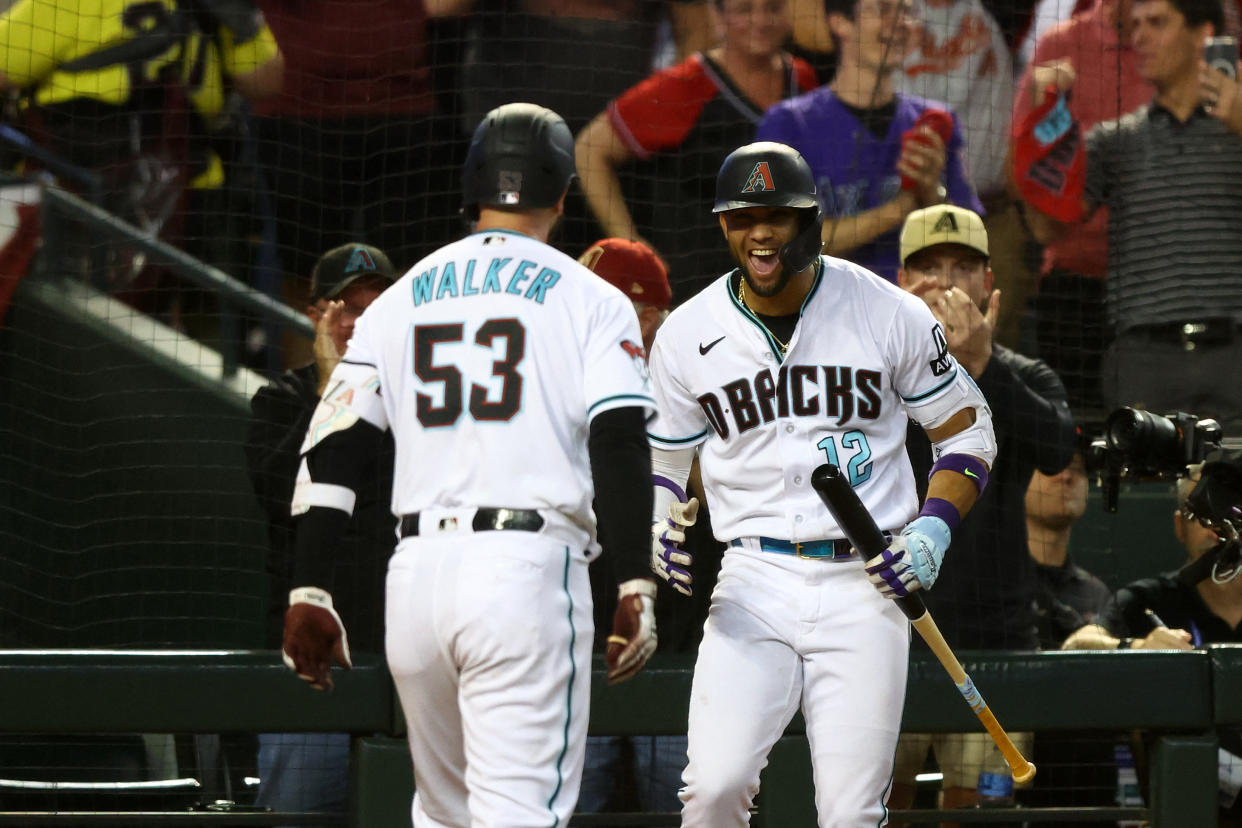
column 760, row 179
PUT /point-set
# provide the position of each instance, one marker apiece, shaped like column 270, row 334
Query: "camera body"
column 1139, row 445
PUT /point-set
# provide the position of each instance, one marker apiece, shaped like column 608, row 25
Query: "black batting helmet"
column 521, row 156
column 768, row 174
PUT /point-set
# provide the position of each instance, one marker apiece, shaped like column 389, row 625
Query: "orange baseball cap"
column 633, row 268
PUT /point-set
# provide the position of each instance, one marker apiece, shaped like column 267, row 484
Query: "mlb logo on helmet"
column 760, row 179
column 509, row 187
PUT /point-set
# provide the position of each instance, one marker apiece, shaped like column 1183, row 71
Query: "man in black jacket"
column 984, row 596
column 309, row 771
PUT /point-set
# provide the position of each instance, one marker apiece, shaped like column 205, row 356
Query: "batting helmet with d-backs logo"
column 521, row 156
column 768, row 174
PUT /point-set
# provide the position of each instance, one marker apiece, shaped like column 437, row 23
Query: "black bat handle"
column 859, row 527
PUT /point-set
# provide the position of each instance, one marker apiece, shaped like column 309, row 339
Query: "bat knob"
column 824, row 473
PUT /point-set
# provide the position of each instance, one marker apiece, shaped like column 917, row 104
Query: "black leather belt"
column 485, row 520
column 1191, row 334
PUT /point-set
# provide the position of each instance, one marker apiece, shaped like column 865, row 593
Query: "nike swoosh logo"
column 969, row 473
column 703, row 349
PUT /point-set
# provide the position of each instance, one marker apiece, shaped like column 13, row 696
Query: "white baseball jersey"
column 785, row 632
column 863, row 351
column 493, row 356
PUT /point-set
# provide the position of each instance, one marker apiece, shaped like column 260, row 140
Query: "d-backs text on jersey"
column 801, row 390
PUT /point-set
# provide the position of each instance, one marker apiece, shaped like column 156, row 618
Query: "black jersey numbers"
column 485, row 403
column 514, row 336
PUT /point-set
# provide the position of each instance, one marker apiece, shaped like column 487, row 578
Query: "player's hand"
column 633, row 637
column 1221, row 95
column 668, row 560
column 314, row 637
column 326, row 355
column 967, row 329
column 912, row 560
column 922, row 162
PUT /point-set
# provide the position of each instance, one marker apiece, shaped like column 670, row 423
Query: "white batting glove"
column 912, row 561
column 668, row 559
column 314, row 637
column 633, row 637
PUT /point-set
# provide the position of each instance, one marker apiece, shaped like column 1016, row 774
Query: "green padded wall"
column 126, row 517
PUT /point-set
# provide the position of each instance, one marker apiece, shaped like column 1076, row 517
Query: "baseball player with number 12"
column 516, row 390
column 789, row 361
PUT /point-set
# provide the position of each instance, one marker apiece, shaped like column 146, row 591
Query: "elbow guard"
column 977, row 440
column 936, row 409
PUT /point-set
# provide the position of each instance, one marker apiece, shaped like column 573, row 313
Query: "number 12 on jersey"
column 427, row 337
column 854, row 444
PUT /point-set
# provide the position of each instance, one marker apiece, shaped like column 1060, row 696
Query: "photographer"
column 1166, row 612
column 1197, row 605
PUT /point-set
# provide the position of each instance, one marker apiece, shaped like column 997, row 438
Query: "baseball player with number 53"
column 790, row 361
column 514, row 382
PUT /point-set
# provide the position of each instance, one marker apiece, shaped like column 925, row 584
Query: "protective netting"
column 139, row 505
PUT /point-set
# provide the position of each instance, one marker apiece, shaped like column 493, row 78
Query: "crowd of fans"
column 1087, row 159
column 259, row 133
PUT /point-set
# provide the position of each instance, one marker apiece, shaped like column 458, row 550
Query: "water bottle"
column 995, row 786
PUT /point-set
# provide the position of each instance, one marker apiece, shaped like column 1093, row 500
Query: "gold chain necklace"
column 741, row 297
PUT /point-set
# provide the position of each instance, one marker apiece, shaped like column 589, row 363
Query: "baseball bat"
column 860, row 529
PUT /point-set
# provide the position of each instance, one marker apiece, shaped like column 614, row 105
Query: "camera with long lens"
column 1139, row 445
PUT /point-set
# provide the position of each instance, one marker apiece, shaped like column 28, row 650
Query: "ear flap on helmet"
column 802, row 250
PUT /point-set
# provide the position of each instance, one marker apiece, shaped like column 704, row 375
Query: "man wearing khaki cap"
column 983, row 598
column 634, row 269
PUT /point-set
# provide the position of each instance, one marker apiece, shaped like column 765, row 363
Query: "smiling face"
column 754, row 28
column 755, row 236
column 880, row 35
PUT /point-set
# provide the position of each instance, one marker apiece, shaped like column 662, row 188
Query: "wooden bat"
column 859, row 527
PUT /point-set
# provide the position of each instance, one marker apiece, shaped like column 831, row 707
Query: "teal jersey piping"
column 754, row 320
column 569, row 693
column 934, row 391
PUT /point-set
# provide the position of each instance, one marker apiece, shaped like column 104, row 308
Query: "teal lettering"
column 491, row 282
column 448, row 281
column 468, row 289
column 423, row 284
column 520, row 275
column 542, row 284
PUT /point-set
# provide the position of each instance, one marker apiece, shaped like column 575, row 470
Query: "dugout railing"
column 1182, row 698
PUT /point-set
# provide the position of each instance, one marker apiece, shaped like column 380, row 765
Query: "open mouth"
column 763, row 261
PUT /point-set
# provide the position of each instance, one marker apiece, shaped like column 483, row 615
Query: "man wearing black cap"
column 309, row 771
